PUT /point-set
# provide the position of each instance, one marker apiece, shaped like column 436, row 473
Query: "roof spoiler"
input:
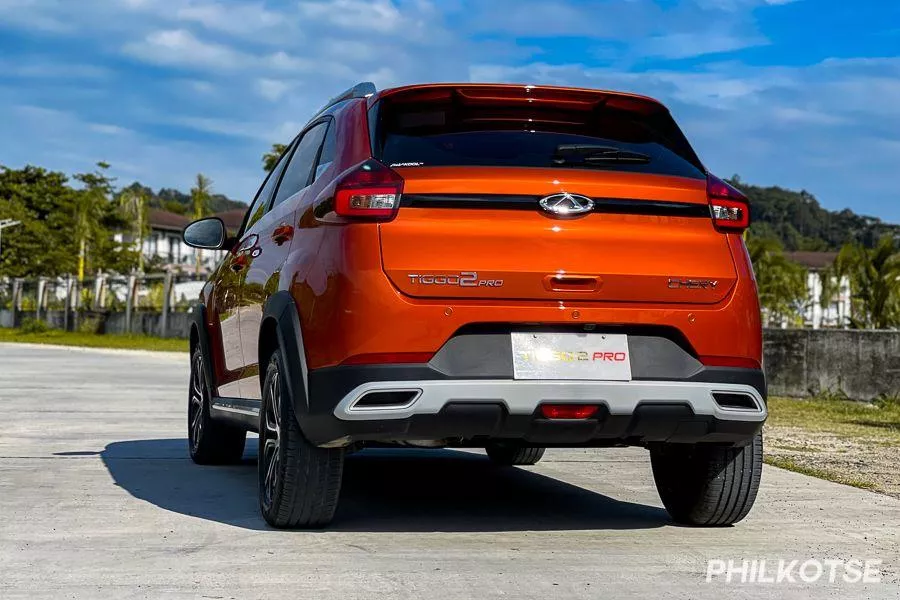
column 360, row 90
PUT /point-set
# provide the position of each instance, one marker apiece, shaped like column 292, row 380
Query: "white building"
column 165, row 244
column 816, row 315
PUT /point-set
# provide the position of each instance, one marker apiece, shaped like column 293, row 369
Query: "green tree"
column 90, row 206
column 133, row 204
column 270, row 158
column 60, row 224
column 44, row 202
column 781, row 282
column 200, row 201
column 875, row 282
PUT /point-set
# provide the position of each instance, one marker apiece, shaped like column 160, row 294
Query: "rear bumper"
column 473, row 410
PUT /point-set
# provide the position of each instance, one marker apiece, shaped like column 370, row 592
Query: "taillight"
column 368, row 190
column 568, row 411
column 730, row 208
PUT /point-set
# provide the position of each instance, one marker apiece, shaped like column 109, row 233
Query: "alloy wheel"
column 197, row 401
column 271, row 447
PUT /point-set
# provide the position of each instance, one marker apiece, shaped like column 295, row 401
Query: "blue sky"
column 804, row 94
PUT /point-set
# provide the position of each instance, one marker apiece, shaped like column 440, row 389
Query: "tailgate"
column 649, row 238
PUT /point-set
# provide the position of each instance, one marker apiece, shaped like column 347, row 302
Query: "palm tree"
column 133, row 204
column 200, row 200
column 90, row 208
column 830, row 280
column 270, row 158
column 875, row 282
column 781, row 282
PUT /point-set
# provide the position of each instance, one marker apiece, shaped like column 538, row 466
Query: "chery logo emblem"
column 567, row 205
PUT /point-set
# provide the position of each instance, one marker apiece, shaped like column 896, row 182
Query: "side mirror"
column 208, row 234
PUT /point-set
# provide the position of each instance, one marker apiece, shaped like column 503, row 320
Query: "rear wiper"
column 593, row 154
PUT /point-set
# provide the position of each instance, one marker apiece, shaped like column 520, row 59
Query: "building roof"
column 170, row 221
column 164, row 219
column 232, row 218
column 812, row 260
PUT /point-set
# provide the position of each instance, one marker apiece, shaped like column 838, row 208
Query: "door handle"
column 282, row 233
column 572, row 283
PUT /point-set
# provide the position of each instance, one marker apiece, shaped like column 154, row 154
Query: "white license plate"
column 591, row 356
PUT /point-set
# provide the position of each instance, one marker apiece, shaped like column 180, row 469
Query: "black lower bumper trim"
column 469, row 423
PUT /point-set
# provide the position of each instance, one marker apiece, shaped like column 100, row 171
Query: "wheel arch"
column 281, row 328
column 199, row 336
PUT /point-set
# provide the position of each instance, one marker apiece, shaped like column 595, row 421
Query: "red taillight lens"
column 568, row 411
column 730, row 208
column 368, row 190
column 385, row 358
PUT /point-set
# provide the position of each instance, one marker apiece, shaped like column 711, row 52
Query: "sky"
column 804, row 94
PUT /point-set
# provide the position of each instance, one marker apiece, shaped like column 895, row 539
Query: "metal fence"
column 124, row 303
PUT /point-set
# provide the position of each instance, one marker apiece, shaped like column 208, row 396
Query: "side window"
column 326, row 157
column 258, row 208
column 296, row 175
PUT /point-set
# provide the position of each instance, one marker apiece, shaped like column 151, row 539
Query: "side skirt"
column 240, row 412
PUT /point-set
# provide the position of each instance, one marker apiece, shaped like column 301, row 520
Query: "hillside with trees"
column 798, row 221
column 180, row 202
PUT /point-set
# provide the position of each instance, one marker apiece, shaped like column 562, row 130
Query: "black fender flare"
column 281, row 310
column 198, row 316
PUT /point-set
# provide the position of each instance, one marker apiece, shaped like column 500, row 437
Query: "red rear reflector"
column 730, row 208
column 383, row 358
column 730, row 361
column 368, row 190
column 568, row 411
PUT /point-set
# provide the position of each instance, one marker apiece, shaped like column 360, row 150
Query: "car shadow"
column 384, row 490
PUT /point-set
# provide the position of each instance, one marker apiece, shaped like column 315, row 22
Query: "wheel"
column 707, row 485
column 211, row 442
column 299, row 483
column 508, row 454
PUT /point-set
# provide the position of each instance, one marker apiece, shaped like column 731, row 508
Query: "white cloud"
column 380, row 16
column 64, row 139
column 228, row 78
column 272, row 89
column 685, row 45
column 240, row 19
column 108, row 129
column 180, row 48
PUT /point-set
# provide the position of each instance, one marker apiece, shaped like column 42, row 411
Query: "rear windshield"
column 412, row 135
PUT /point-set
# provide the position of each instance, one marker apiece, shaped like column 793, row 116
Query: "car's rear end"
column 534, row 266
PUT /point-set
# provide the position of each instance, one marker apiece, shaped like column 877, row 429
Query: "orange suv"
column 503, row 267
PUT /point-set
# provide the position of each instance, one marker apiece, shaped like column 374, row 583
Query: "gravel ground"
column 869, row 460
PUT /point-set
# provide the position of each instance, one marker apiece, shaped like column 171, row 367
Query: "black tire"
column 510, row 454
column 706, row 485
column 210, row 442
column 299, row 483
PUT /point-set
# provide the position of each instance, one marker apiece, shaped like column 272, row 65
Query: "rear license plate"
column 590, row 356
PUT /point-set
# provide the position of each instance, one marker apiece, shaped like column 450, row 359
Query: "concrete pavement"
column 98, row 499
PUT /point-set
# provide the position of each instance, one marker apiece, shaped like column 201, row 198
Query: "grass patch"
column 791, row 465
column 854, row 420
column 93, row 340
